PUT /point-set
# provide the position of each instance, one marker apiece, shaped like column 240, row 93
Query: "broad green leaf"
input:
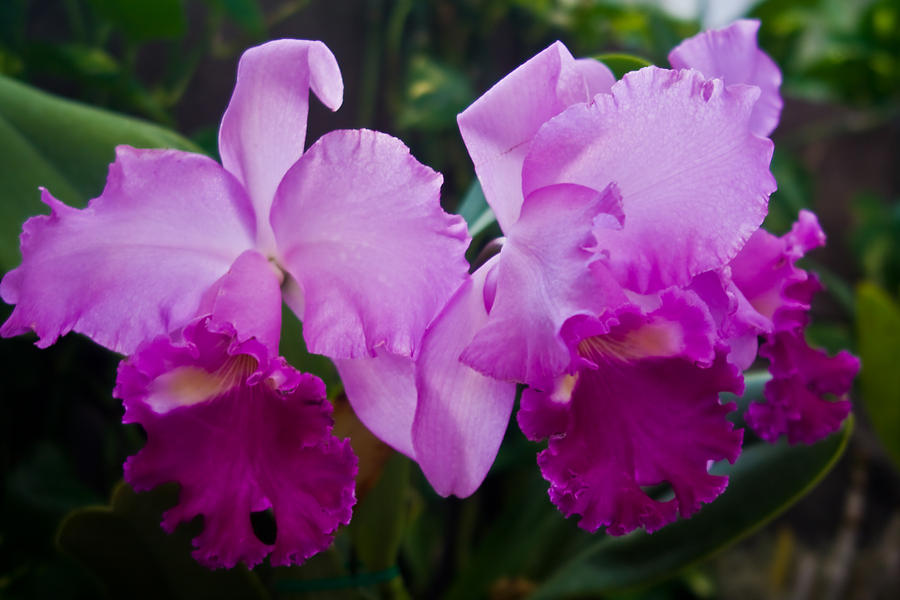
column 129, row 552
column 62, row 145
column 764, row 482
column 144, row 19
column 620, row 64
column 878, row 322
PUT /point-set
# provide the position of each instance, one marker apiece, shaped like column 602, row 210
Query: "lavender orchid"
column 183, row 263
column 630, row 291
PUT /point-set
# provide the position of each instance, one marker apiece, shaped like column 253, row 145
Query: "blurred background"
column 409, row 67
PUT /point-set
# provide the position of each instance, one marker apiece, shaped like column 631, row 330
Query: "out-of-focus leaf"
column 129, row 552
column 379, row 523
column 765, row 481
column 475, row 210
column 62, row 145
column 878, row 322
column 246, row 13
column 620, row 64
column 435, row 94
column 144, row 19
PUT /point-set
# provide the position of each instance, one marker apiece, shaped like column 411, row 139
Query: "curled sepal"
column 240, row 433
column 639, row 424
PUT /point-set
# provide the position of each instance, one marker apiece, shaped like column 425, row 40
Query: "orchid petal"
column 260, row 439
column 135, row 263
column 797, row 397
column 543, row 279
column 498, row 127
column 359, row 226
column 248, row 296
column 731, row 54
column 263, row 129
column 461, row 415
column 635, row 424
column 382, row 392
column 694, row 180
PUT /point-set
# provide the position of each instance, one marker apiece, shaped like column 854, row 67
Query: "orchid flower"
column 183, row 264
column 626, row 293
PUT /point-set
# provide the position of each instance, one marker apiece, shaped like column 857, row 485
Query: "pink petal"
column 498, row 127
column 263, row 130
column 134, row 263
column 542, row 280
column 260, row 439
column 765, row 273
column 635, row 424
column 462, row 415
column 806, row 398
column 731, row 54
column 382, row 392
column 359, row 226
column 249, row 297
column 694, row 180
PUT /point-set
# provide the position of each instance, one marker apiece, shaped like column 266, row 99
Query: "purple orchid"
column 183, row 264
column 632, row 285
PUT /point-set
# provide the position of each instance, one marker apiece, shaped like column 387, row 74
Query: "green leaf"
column 246, row 13
column 878, row 322
column 620, row 64
column 144, row 19
column 61, row 145
column 765, row 481
column 435, row 93
column 475, row 210
column 126, row 548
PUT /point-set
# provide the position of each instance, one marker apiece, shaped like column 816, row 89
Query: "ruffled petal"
column 694, row 180
column 359, row 226
column 462, row 415
column 806, row 398
column 542, row 279
column 766, row 274
column 263, row 129
column 239, row 433
column 638, row 424
column 498, row 127
column 382, row 392
column 249, row 297
column 731, row 54
column 135, row 263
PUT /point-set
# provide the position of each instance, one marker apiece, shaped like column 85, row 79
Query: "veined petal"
column 498, row 127
column 635, row 424
column 359, row 226
column 249, row 297
column 263, row 129
column 694, row 180
column 731, row 54
column 543, row 279
column 135, row 263
column 461, row 415
column 807, row 396
column 382, row 392
column 240, row 433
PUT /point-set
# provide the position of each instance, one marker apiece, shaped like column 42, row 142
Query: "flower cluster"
column 632, row 288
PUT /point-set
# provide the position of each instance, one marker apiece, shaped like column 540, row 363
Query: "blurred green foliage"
column 418, row 63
